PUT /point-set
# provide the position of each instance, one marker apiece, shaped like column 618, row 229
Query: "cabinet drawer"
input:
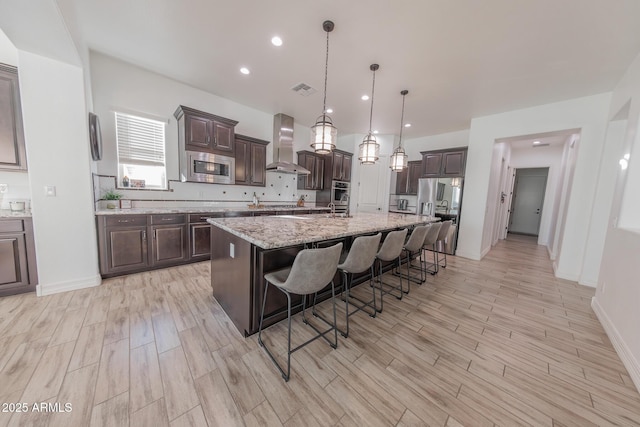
column 11, row 225
column 202, row 217
column 168, row 219
column 125, row 220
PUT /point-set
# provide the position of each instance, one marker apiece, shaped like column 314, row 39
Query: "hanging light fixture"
column 370, row 148
column 324, row 134
column 455, row 182
column 399, row 157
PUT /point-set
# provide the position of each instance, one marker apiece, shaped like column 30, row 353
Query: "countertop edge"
column 152, row 211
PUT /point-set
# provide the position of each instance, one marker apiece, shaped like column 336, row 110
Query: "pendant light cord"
column 373, row 88
column 326, row 72
column 401, row 122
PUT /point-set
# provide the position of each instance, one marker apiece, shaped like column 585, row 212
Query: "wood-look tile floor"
column 495, row 342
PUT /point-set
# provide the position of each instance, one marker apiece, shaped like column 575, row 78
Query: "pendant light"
column 399, row 157
column 370, row 148
column 324, row 134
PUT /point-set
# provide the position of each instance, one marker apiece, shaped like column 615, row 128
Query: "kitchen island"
column 244, row 249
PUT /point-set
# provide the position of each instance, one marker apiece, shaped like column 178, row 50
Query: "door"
column 373, row 182
column 126, row 249
column 258, row 164
column 169, row 244
column 528, row 197
column 200, row 240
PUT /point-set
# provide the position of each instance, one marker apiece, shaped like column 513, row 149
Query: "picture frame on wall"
column 95, row 137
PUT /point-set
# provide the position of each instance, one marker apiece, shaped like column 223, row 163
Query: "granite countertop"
column 8, row 213
column 151, row 211
column 269, row 232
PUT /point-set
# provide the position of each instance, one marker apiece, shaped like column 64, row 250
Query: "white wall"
column 8, row 52
column 57, row 147
column 117, row 85
column 588, row 114
column 618, row 293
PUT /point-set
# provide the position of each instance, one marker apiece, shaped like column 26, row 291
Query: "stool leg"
column 286, row 375
column 380, row 282
column 347, row 288
column 264, row 301
column 286, row 378
column 335, row 319
column 373, row 292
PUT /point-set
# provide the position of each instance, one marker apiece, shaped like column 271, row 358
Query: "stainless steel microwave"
column 210, row 168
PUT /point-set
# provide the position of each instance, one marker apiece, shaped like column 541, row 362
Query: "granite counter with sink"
column 222, row 210
column 244, row 249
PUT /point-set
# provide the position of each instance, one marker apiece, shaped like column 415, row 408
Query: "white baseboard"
column 588, row 282
column 564, row 275
column 628, row 359
column 484, row 252
column 552, row 255
column 467, row 255
column 72, row 285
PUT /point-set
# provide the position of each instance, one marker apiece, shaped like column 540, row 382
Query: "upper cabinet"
column 315, row 164
column 339, row 163
column 200, row 131
column 251, row 161
column 442, row 163
column 407, row 179
column 12, row 149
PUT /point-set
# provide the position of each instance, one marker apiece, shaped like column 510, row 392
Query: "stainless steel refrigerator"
column 430, row 202
column 427, row 194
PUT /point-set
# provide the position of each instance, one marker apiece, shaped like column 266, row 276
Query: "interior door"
column 373, row 181
column 527, row 202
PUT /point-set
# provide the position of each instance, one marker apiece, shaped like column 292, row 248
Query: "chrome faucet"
column 446, row 204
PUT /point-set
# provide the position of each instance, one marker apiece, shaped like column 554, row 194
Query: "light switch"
column 50, row 190
column 232, row 250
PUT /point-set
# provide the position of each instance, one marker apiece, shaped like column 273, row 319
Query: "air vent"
column 303, row 89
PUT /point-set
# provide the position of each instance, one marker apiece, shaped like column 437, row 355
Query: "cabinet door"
column 431, row 163
column 126, row 249
column 453, row 163
column 13, row 262
column 12, row 149
column 311, row 179
column 242, row 161
column 318, row 172
column 223, row 136
column 169, row 244
column 200, row 241
column 337, row 165
column 414, row 172
column 258, row 164
column 198, row 133
column 346, row 167
column 401, row 181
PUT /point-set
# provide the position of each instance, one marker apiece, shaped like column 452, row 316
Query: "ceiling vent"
column 303, row 89
column 544, row 144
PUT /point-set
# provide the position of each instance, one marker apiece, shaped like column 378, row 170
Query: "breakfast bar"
column 244, row 249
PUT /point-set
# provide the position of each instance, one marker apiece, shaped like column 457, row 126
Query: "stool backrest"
column 313, row 269
column 362, row 253
column 442, row 234
column 416, row 240
column 392, row 245
column 432, row 234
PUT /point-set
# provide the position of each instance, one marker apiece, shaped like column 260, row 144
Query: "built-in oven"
column 210, row 168
column 340, row 195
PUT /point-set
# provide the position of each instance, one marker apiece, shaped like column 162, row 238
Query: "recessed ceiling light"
column 407, row 125
column 536, row 142
column 276, row 41
column 329, row 110
column 365, row 97
column 375, row 131
column 245, row 70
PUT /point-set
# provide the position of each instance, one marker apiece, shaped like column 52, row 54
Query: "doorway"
column 527, row 201
column 373, row 185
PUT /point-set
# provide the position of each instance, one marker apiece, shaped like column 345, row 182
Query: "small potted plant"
column 112, row 197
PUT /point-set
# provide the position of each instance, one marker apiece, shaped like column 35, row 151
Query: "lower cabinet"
column 17, row 257
column 200, row 236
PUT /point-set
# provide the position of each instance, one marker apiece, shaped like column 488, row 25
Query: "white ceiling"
column 458, row 59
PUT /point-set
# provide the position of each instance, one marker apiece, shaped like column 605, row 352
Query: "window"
column 141, row 155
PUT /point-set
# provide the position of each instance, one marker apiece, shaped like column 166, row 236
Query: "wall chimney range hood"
column 283, row 147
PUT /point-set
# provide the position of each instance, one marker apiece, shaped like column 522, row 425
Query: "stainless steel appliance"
column 403, row 204
column 283, row 147
column 340, row 195
column 210, row 168
column 441, row 197
column 427, row 194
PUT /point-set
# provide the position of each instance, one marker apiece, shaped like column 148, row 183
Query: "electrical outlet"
column 4, row 188
column 232, row 250
column 50, row 190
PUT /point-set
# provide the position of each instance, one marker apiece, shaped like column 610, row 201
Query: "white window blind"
column 140, row 140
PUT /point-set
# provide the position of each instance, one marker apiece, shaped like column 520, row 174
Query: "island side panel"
column 231, row 276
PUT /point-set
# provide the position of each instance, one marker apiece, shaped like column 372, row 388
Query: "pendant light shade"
column 399, row 157
column 370, row 149
column 323, row 133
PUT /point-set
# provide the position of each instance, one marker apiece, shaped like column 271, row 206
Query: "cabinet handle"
column 144, row 235
column 125, row 220
column 154, row 234
column 208, row 139
column 166, row 219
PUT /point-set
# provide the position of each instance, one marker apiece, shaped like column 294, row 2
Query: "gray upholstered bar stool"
column 411, row 248
column 311, row 271
column 429, row 242
column 361, row 258
column 390, row 250
column 441, row 240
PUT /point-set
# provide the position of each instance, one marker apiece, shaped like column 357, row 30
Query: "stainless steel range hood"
column 283, row 147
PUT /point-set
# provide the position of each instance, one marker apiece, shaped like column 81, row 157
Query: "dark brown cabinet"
column 201, row 131
column 200, row 235
column 340, row 165
column 407, row 179
column 251, row 161
column 12, row 149
column 169, row 239
column 17, row 257
column 315, row 164
column 443, row 163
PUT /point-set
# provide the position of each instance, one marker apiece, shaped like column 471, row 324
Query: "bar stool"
column 361, row 257
column 390, row 250
column 429, row 242
column 311, row 271
column 412, row 247
column 440, row 239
